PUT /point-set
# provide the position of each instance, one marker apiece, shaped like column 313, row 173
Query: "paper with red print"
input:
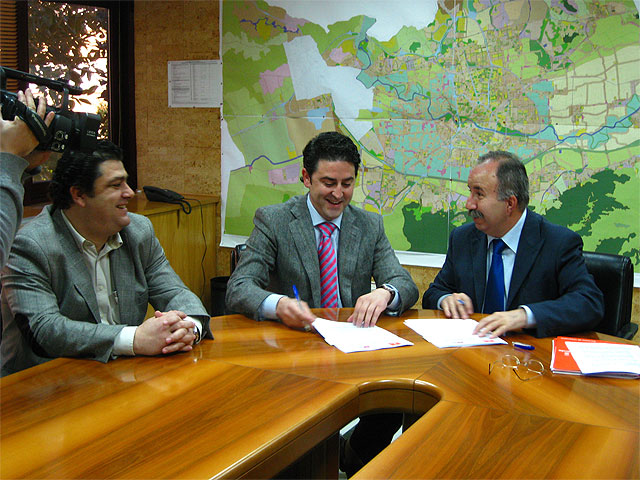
column 450, row 332
column 348, row 338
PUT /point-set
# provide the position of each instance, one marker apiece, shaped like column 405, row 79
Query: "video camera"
column 68, row 131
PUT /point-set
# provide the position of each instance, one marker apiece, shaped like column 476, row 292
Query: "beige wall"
column 179, row 148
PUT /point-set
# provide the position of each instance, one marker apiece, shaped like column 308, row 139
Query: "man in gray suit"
column 80, row 275
column 283, row 251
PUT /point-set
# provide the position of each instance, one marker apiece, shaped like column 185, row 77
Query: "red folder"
column 561, row 359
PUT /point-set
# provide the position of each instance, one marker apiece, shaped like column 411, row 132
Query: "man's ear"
column 306, row 178
column 78, row 196
column 512, row 204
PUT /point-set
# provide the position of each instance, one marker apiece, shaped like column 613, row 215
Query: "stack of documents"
column 450, row 332
column 348, row 338
column 583, row 356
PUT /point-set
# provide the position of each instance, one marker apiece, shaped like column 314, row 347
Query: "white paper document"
column 348, row 338
column 450, row 332
column 195, row 83
column 613, row 359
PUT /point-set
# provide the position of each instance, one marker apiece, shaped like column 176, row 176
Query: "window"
column 90, row 44
column 71, row 42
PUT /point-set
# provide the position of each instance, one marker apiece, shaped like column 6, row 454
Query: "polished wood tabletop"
column 260, row 395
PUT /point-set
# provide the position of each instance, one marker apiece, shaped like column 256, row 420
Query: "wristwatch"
column 389, row 289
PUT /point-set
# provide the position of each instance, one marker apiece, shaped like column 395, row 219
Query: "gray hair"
column 512, row 176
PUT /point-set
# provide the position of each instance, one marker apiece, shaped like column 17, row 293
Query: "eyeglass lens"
column 524, row 370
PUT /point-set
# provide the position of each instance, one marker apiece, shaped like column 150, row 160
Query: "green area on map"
column 557, row 83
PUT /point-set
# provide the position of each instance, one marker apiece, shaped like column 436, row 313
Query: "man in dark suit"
column 287, row 248
column 543, row 283
column 81, row 274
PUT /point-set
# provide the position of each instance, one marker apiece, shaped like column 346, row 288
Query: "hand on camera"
column 17, row 138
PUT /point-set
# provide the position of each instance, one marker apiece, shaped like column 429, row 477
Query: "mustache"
column 475, row 214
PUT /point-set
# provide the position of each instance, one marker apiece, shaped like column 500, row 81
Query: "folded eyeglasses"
column 525, row 371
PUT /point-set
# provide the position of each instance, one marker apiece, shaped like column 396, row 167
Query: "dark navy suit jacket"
column 549, row 276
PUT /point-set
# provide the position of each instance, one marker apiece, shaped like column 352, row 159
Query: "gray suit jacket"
column 281, row 252
column 49, row 307
column 11, row 193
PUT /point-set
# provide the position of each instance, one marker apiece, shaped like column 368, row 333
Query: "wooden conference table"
column 262, row 396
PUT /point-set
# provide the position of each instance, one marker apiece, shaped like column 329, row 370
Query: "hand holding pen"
column 457, row 305
column 307, row 326
column 294, row 312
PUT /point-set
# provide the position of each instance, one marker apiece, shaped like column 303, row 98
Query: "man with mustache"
column 329, row 250
column 512, row 264
column 81, row 274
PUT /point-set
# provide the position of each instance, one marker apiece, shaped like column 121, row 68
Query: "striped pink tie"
column 328, row 267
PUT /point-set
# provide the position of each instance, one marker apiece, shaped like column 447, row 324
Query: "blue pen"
column 523, row 346
column 297, row 295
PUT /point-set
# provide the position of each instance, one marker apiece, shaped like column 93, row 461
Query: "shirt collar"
column 114, row 241
column 512, row 237
column 317, row 219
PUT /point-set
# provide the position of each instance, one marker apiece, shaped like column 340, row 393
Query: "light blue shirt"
column 267, row 309
column 317, row 219
column 512, row 240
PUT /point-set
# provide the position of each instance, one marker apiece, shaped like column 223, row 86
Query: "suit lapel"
column 304, row 239
column 77, row 267
column 479, row 260
column 347, row 255
column 528, row 248
column 122, row 274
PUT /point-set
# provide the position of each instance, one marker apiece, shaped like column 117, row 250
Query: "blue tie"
column 494, row 296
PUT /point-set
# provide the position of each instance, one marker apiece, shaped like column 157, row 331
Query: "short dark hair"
column 512, row 176
column 331, row 146
column 80, row 169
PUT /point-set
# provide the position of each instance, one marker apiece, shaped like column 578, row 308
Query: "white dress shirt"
column 99, row 266
column 512, row 240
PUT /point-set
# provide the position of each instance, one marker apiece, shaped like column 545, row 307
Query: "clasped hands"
column 459, row 305
column 368, row 308
column 164, row 333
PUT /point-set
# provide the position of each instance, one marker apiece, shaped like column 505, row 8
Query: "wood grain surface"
column 176, row 417
column 261, row 395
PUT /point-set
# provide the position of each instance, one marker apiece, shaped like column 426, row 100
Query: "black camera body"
column 68, row 131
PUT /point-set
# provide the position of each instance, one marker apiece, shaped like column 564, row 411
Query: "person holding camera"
column 17, row 160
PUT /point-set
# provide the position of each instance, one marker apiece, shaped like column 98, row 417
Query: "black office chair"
column 614, row 277
column 219, row 284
